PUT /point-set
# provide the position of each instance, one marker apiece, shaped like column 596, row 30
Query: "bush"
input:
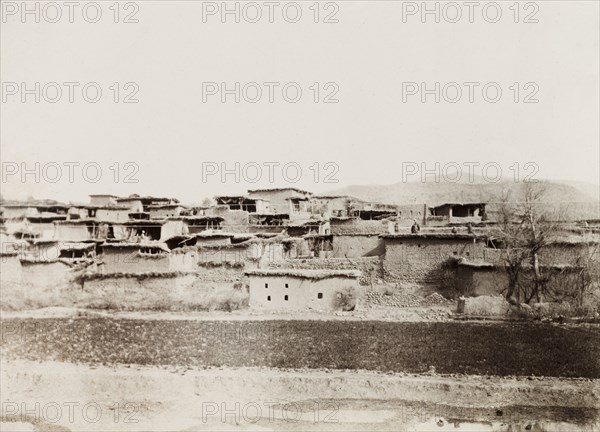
column 345, row 300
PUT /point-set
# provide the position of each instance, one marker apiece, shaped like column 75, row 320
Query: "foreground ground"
column 63, row 397
column 68, row 370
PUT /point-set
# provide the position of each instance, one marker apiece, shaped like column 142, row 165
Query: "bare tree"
column 525, row 227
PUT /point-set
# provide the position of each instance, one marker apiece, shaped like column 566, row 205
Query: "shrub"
column 345, row 300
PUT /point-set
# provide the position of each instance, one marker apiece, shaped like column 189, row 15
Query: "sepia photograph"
column 308, row 215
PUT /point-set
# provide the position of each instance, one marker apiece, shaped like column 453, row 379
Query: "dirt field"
column 72, row 370
column 137, row 398
column 499, row 348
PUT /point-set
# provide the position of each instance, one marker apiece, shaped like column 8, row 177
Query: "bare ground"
column 228, row 399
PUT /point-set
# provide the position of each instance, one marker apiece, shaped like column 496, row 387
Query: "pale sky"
column 368, row 54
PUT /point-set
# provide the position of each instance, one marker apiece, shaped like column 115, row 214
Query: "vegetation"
column 450, row 347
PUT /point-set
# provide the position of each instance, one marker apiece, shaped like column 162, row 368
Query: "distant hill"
column 563, row 193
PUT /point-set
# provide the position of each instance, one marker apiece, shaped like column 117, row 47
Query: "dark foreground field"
column 450, row 347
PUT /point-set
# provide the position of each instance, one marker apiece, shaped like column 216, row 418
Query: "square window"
column 320, row 295
column 286, row 285
column 266, row 285
column 268, row 298
column 285, row 298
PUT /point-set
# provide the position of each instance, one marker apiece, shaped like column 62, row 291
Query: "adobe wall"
column 233, row 220
column 481, row 281
column 408, row 213
column 112, row 215
column 183, row 261
column 420, row 261
column 45, row 279
column 126, row 260
column 268, row 292
column 370, row 267
column 353, row 246
column 10, row 273
column 72, row 232
column 172, row 228
column 143, row 291
column 359, row 226
column 569, row 253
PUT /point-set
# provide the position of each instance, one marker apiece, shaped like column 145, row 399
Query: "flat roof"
column 280, row 189
column 305, row 273
column 429, row 236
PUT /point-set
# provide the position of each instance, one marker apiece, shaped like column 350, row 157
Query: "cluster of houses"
column 290, row 248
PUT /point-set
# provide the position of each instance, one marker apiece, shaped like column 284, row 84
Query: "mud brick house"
column 101, row 200
column 298, row 289
column 421, row 258
column 81, row 212
column 240, row 202
column 153, row 230
column 289, row 201
column 76, row 252
column 307, row 227
column 480, row 278
column 164, row 211
column 134, row 258
column 112, row 213
column 407, row 214
column 231, row 220
column 76, row 230
column 268, row 223
column 457, row 213
column 561, row 281
column 213, row 238
column 198, row 224
column 134, row 203
column 336, row 205
column 253, row 253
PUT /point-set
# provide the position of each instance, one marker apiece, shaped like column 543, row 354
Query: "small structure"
column 336, row 205
column 134, row 258
column 240, row 202
column 133, row 202
column 103, row 199
column 163, row 211
column 113, row 213
column 198, row 224
column 296, row 289
column 283, row 200
column 460, row 212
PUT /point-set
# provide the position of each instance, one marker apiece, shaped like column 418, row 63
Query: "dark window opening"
column 320, row 295
column 285, row 298
column 268, row 298
column 266, row 285
column 286, row 285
